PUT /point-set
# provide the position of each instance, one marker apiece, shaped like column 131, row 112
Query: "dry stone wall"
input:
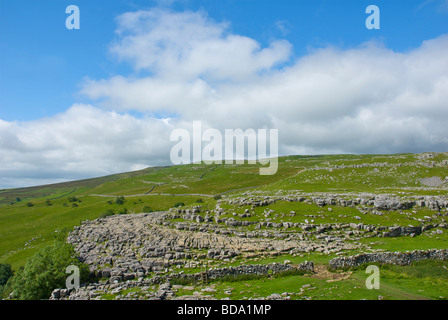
column 164, row 281
column 396, row 258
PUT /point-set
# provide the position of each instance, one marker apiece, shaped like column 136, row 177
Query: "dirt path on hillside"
column 408, row 296
column 396, row 293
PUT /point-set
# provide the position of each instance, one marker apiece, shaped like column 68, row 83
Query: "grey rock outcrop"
column 129, row 247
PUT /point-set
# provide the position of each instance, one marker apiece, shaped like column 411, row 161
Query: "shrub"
column 72, row 199
column 217, row 197
column 200, row 200
column 120, row 200
column 179, row 204
column 123, row 211
column 30, row 204
column 109, row 212
column 5, row 273
column 147, row 209
column 45, row 271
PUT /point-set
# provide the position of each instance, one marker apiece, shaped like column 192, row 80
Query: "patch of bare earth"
column 322, row 273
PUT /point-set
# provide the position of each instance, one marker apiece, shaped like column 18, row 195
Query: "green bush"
column 72, row 199
column 200, row 200
column 147, row 209
column 217, row 197
column 120, row 200
column 179, row 204
column 30, row 204
column 5, row 273
column 109, row 212
column 45, row 271
column 123, row 211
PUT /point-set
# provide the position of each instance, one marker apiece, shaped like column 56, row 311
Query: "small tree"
column 120, row 200
column 72, row 199
column 45, row 271
column 30, row 204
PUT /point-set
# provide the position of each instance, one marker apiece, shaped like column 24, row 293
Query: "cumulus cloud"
column 321, row 97
column 367, row 99
column 82, row 142
column 188, row 45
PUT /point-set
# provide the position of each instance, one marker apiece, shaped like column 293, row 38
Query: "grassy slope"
column 20, row 224
column 25, row 229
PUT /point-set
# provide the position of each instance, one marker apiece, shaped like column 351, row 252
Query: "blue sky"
column 42, row 63
column 104, row 99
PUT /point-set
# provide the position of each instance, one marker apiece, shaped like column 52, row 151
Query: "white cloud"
column 82, row 142
column 188, row 45
column 367, row 99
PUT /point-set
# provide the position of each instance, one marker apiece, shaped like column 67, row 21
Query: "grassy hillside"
column 30, row 217
column 25, row 228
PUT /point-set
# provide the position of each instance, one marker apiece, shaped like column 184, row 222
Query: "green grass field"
column 426, row 280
